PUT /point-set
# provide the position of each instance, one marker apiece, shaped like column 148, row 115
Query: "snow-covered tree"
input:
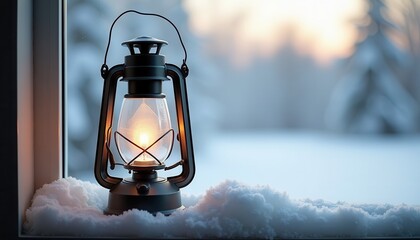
column 370, row 98
column 407, row 18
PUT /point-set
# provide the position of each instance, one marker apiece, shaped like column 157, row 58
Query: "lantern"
column 143, row 135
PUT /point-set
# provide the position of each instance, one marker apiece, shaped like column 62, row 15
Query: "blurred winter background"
column 319, row 99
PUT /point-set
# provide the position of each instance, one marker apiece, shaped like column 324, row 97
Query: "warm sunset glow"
column 249, row 28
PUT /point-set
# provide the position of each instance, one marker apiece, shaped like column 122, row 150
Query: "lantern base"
column 148, row 192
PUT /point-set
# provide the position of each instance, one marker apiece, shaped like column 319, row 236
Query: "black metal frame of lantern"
column 144, row 71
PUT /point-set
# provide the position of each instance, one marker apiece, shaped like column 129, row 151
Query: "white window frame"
column 40, row 93
column 48, row 78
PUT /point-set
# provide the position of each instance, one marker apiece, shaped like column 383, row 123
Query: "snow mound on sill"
column 70, row 207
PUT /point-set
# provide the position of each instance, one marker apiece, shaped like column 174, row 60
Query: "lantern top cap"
column 144, row 44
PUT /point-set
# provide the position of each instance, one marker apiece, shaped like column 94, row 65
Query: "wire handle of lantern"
column 184, row 67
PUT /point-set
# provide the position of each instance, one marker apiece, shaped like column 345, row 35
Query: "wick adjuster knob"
column 142, row 188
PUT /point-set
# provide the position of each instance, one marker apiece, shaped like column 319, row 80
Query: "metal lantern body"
column 144, row 136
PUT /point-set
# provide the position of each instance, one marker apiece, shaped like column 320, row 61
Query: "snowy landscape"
column 315, row 135
column 316, row 166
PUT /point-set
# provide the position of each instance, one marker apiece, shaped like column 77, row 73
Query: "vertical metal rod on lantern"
column 144, row 136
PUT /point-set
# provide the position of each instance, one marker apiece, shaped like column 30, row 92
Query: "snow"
column 316, row 165
column 71, row 207
column 311, row 164
column 265, row 185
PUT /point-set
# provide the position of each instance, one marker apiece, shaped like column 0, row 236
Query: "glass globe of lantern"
column 144, row 130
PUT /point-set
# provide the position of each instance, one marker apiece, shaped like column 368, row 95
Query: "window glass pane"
column 318, row 100
column 88, row 29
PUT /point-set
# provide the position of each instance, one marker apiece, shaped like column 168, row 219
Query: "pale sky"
column 250, row 28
